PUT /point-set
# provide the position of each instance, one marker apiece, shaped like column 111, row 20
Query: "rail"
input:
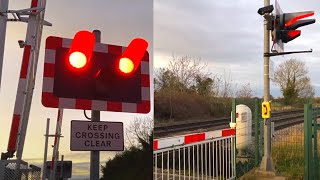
column 282, row 120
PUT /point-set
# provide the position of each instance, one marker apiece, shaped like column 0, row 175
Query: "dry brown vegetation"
column 186, row 90
column 187, row 105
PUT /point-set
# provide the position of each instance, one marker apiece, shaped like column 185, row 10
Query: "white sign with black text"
column 96, row 136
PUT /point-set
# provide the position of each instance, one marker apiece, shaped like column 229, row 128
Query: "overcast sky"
column 119, row 22
column 228, row 35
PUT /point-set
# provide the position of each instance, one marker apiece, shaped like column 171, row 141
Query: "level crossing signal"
column 81, row 49
column 96, row 76
column 286, row 24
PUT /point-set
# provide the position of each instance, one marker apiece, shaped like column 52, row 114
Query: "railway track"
column 282, row 120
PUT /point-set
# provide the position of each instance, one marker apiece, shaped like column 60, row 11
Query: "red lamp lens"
column 77, row 59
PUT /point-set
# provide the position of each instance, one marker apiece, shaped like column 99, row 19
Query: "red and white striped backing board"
column 191, row 138
column 49, row 100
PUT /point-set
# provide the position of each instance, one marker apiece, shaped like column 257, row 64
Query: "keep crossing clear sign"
column 96, row 136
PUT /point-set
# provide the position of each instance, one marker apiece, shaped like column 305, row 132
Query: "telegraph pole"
column 95, row 116
column 266, row 163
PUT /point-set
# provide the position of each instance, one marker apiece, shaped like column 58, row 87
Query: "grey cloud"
column 205, row 29
column 228, row 33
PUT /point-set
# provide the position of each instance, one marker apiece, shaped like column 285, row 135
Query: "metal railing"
column 191, row 157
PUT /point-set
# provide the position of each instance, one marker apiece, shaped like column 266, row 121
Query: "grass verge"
column 289, row 160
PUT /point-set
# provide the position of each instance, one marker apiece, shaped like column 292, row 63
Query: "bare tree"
column 141, row 128
column 181, row 75
column 305, row 89
column 244, row 92
column 208, row 86
column 186, row 69
column 292, row 77
column 226, row 88
column 187, row 73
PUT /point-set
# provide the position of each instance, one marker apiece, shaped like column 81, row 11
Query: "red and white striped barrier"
column 26, row 80
column 20, row 99
column 191, row 138
column 49, row 100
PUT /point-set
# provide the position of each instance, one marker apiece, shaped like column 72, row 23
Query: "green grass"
column 289, row 160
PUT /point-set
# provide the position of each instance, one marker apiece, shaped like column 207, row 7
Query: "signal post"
column 95, row 117
column 283, row 27
column 266, row 163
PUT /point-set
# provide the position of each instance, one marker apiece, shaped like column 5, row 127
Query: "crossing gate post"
column 256, row 132
column 233, row 120
column 308, row 173
column 261, row 140
column 311, row 157
column 315, row 142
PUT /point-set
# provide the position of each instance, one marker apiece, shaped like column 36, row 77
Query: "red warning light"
column 126, row 65
column 293, row 20
column 81, row 49
column 294, row 33
column 77, row 59
column 133, row 55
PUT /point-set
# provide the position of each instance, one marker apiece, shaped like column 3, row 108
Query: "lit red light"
column 293, row 20
column 133, row 55
column 294, row 33
column 126, row 65
column 77, row 59
column 81, row 49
